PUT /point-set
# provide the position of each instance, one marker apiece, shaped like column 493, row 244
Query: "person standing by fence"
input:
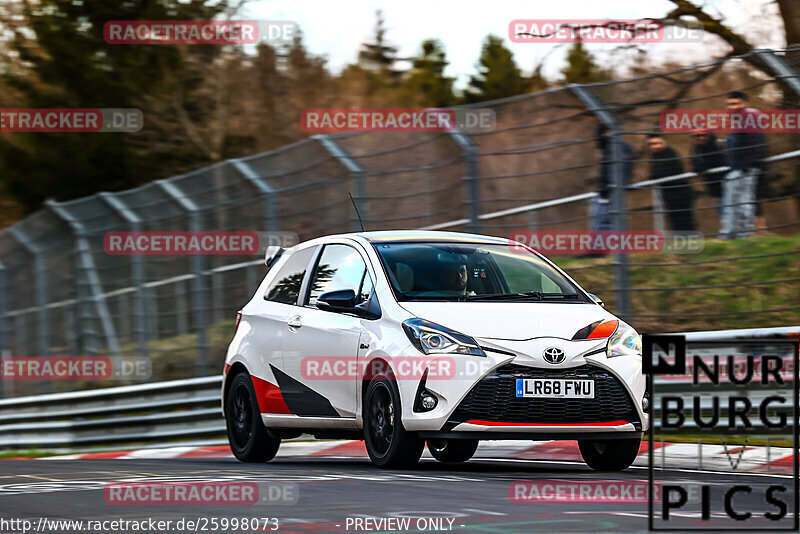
column 707, row 154
column 677, row 196
column 746, row 149
column 600, row 211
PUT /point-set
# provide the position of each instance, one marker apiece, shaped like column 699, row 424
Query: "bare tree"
column 790, row 14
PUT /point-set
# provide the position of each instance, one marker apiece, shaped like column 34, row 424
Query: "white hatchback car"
column 399, row 338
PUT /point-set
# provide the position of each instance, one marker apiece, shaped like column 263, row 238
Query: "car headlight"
column 431, row 338
column 625, row 341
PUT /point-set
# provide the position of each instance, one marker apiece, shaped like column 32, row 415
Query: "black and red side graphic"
column 270, row 399
column 301, row 399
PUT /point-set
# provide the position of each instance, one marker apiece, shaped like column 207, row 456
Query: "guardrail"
column 147, row 413
column 151, row 414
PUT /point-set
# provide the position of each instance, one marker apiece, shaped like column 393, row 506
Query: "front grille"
column 494, row 399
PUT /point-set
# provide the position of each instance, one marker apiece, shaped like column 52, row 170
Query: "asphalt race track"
column 475, row 496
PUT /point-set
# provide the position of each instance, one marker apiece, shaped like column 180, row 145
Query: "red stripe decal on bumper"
column 500, row 423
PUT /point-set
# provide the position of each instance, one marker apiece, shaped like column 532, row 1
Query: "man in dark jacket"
column 677, row 195
column 706, row 155
column 601, row 218
column 745, row 184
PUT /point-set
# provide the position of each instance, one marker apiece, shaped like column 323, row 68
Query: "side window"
column 285, row 287
column 340, row 267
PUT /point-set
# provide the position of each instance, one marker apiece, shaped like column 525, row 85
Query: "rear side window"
column 285, row 287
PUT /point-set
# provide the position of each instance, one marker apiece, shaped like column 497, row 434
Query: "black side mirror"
column 597, row 300
column 344, row 301
column 341, row 300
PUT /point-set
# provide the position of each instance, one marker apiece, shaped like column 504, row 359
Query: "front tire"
column 609, row 454
column 389, row 445
column 248, row 437
column 452, row 451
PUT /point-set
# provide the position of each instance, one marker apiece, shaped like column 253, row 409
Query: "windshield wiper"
column 505, row 296
column 528, row 295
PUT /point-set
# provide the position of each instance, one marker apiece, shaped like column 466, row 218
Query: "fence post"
column 617, row 187
column 125, row 316
column 471, row 177
column 181, row 307
column 137, row 270
column 781, row 69
column 787, row 74
column 40, row 279
column 266, row 190
column 3, row 308
column 19, row 331
column 217, row 297
column 356, row 173
column 658, row 211
column 86, row 267
column 198, row 262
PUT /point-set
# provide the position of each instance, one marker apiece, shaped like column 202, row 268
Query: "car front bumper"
column 488, row 408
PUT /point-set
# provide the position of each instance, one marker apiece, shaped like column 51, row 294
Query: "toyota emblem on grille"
column 554, row 355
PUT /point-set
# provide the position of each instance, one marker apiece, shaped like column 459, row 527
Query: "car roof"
column 426, row 235
column 404, row 236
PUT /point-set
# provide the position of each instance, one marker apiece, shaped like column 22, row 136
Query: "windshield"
column 472, row 272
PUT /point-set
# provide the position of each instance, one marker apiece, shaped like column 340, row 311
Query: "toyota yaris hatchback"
column 403, row 338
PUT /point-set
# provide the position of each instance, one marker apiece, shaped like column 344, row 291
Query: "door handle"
column 295, row 322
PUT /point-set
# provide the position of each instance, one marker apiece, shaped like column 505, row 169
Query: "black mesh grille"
column 494, row 399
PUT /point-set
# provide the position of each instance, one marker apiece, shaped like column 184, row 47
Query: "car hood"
column 510, row 320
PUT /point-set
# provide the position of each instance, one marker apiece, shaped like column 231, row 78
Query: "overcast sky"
column 336, row 29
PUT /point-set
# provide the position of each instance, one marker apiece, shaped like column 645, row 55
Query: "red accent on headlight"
column 603, row 330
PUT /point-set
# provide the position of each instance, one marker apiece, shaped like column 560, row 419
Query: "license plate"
column 555, row 388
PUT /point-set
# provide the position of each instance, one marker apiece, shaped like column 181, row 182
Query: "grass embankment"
column 670, row 298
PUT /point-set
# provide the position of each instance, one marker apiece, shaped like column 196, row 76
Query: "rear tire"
column 609, row 454
column 249, row 439
column 389, row 445
column 452, row 451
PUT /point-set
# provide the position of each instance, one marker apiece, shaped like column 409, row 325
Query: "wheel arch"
column 235, row 369
column 367, row 377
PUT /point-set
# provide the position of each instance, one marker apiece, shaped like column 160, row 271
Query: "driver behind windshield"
column 453, row 278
